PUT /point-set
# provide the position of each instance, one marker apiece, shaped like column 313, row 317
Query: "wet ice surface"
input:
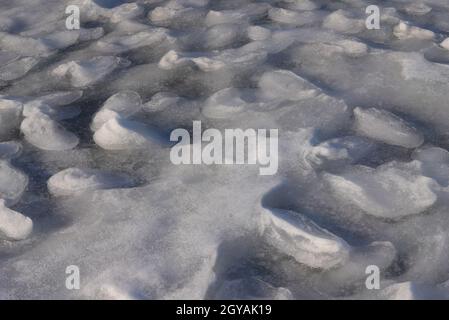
column 86, row 179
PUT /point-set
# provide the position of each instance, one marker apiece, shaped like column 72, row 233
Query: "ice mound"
column 46, row 134
column 291, row 17
column 13, row 225
column 37, row 109
column 25, row 46
column 251, row 289
column 403, row 31
column 13, row 183
column 175, row 14
column 341, row 21
column 59, row 98
column 160, row 101
column 241, row 16
column 284, row 84
column 222, row 35
column 389, row 191
column 122, row 104
column 299, row 237
column 9, row 150
column 17, row 68
column 230, row 58
column 88, row 72
column 223, row 104
column 126, row 11
column 122, row 134
column 74, row 181
column 340, row 151
column 434, row 163
column 10, row 117
column 445, row 43
column 386, row 127
column 258, row 33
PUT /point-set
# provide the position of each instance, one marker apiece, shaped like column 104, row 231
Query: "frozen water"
column 13, row 225
column 362, row 117
column 74, row 181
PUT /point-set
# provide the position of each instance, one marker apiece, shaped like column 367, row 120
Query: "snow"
column 363, row 162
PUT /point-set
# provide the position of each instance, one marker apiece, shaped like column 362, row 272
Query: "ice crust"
column 86, row 178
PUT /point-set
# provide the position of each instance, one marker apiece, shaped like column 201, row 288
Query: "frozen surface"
column 86, row 178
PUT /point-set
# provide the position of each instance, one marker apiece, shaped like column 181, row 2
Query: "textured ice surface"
column 363, row 177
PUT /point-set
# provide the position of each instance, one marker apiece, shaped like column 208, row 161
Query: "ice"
column 340, row 151
column 251, row 289
column 224, row 104
column 17, row 69
column 9, row 150
column 10, row 116
column 122, row 104
column 363, row 162
column 13, row 185
column 122, row 134
column 389, row 191
column 47, row 134
column 13, row 225
column 88, row 72
column 386, row 127
column 283, row 84
column 74, row 181
column 301, row 238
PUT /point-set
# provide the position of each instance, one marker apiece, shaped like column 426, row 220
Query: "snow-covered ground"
column 86, row 178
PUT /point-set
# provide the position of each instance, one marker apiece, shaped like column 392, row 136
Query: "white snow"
column 13, row 225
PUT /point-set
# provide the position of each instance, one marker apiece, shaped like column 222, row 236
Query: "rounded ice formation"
column 46, row 134
column 88, row 72
column 123, row 104
column 299, row 237
column 258, row 33
column 386, row 127
column 14, row 226
column 37, row 109
column 223, row 104
column 340, row 21
column 126, row 11
column 404, row 31
column 10, row 116
column 9, row 150
column 122, row 134
column 340, row 151
column 12, row 183
column 75, row 181
column 445, row 43
column 284, row 84
column 17, row 68
column 60, row 98
column 390, row 191
column 160, row 101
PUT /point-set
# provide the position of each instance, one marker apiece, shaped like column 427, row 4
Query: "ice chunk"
column 417, row 9
column 284, row 84
column 46, row 134
column 258, row 33
column 17, row 69
column 60, row 98
column 115, row 44
column 390, row 191
column 340, row 21
column 10, row 116
column 386, row 127
column 222, row 35
column 251, row 289
column 126, row 11
column 299, row 237
column 340, row 151
column 404, row 31
column 434, row 163
column 75, row 181
column 37, row 108
column 445, row 43
column 13, row 183
column 88, row 72
column 13, row 225
column 223, row 104
column 9, row 150
column 25, row 46
column 121, row 134
column 161, row 101
column 293, row 17
column 123, row 104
